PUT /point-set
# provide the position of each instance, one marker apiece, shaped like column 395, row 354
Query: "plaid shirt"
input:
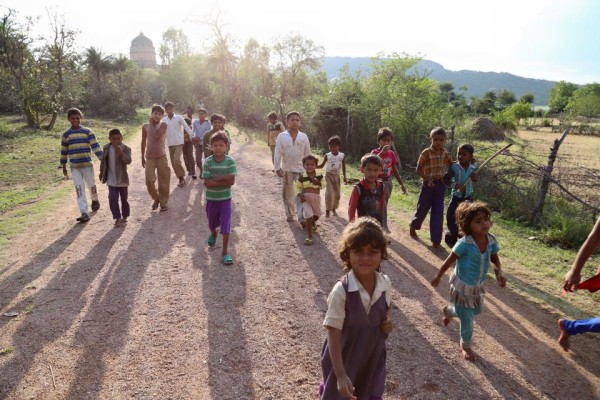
column 434, row 162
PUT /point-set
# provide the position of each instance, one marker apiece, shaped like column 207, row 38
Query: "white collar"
column 381, row 284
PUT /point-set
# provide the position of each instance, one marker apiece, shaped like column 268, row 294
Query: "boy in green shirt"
column 219, row 172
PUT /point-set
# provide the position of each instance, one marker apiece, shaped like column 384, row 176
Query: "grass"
column 31, row 181
column 6, row 350
column 534, row 269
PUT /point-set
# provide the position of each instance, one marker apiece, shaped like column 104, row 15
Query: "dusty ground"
column 148, row 312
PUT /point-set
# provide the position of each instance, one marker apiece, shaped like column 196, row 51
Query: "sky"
column 551, row 39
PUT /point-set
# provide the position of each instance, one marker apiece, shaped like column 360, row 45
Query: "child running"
column 357, row 319
column 385, row 138
column 571, row 282
column 113, row 172
column 368, row 195
column 472, row 254
column 458, row 174
column 219, row 175
column 308, row 188
column 431, row 167
column 77, row 144
column 333, row 161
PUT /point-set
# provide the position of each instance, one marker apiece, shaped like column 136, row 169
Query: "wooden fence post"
column 537, row 213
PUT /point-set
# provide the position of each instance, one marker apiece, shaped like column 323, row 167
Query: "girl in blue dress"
column 473, row 255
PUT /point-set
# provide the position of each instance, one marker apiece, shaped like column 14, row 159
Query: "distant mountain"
column 477, row 82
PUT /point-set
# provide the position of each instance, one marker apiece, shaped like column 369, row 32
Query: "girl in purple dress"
column 357, row 320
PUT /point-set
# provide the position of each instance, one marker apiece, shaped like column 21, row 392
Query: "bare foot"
column 155, row 204
column 334, row 213
column 413, row 233
column 436, row 245
column 563, row 339
column 468, row 353
column 446, row 319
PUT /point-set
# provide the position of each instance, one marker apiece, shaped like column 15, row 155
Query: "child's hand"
column 430, row 183
column 404, row 191
column 143, row 162
column 100, row 176
column 474, row 177
column 435, row 281
column 385, row 148
column 302, row 197
column 345, row 181
column 501, row 279
column 460, row 188
column 387, row 326
column 119, row 151
column 345, row 387
column 279, row 173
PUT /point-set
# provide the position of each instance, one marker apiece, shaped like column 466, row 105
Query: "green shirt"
column 213, row 168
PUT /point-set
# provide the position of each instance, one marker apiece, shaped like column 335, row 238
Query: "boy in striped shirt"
column 219, row 175
column 77, row 144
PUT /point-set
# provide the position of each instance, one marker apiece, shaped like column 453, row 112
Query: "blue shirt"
column 460, row 177
column 472, row 265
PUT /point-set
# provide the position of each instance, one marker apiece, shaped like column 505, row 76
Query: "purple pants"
column 431, row 198
column 219, row 215
column 113, row 200
column 582, row 326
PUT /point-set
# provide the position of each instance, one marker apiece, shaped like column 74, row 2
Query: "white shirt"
column 175, row 128
column 336, row 312
column 289, row 153
column 334, row 162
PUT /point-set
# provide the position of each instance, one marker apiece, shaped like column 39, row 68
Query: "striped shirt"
column 77, row 145
column 434, row 162
column 213, row 168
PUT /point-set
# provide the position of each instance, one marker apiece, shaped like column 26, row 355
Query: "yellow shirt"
column 304, row 183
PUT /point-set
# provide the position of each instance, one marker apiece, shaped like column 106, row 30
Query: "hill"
column 477, row 82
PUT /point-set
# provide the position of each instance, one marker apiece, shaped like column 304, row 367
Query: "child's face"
column 217, row 125
column 169, row 110
column 438, row 142
column 116, row 140
column 294, row 122
column 386, row 141
column 365, row 260
column 371, row 172
column 201, row 115
column 75, row 121
column 218, row 148
column 310, row 166
column 334, row 148
column 157, row 116
column 272, row 120
column 464, row 157
column 480, row 225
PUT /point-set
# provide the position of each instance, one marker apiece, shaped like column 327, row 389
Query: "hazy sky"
column 549, row 39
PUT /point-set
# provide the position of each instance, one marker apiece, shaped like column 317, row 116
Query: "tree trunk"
column 537, row 213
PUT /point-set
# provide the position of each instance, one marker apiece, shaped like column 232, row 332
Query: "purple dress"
column 363, row 350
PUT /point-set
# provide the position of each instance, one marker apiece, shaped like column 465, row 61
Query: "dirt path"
column 148, row 312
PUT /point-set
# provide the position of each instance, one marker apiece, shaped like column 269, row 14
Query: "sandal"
column 315, row 227
column 211, row 240
column 308, row 242
column 227, row 260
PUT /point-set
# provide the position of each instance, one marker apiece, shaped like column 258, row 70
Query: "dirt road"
column 148, row 311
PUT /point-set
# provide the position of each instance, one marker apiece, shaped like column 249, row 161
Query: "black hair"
column 359, row 233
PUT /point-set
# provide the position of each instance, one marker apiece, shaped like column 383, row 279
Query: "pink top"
column 389, row 163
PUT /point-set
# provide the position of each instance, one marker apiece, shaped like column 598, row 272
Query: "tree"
column 446, row 91
column 504, row 99
column 585, row 101
column 527, row 98
column 222, row 61
column 174, row 44
column 560, row 95
column 97, row 62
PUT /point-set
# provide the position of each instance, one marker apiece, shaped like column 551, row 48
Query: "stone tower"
column 142, row 52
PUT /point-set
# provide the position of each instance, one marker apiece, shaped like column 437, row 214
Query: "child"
column 571, row 283
column 176, row 125
column 357, row 320
column 219, row 175
column 368, row 195
column 472, row 254
column 459, row 173
column 431, row 168
column 154, row 158
column 77, row 144
column 218, row 124
column 188, row 146
column 199, row 128
column 274, row 128
column 332, row 162
column 113, row 172
column 308, row 188
column 385, row 138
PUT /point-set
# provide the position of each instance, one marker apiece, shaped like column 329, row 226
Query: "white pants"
column 83, row 177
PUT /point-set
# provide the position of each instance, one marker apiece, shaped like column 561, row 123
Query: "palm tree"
column 97, row 62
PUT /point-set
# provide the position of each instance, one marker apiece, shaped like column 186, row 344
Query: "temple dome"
column 141, row 41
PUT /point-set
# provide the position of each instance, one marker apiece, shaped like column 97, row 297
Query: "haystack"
column 485, row 129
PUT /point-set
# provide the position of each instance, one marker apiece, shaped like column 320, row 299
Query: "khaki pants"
column 332, row 191
column 160, row 167
column 175, row 153
column 288, row 192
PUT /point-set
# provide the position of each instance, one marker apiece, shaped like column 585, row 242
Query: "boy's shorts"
column 219, row 215
column 312, row 205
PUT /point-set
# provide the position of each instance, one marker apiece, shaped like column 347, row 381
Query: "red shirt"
column 355, row 197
